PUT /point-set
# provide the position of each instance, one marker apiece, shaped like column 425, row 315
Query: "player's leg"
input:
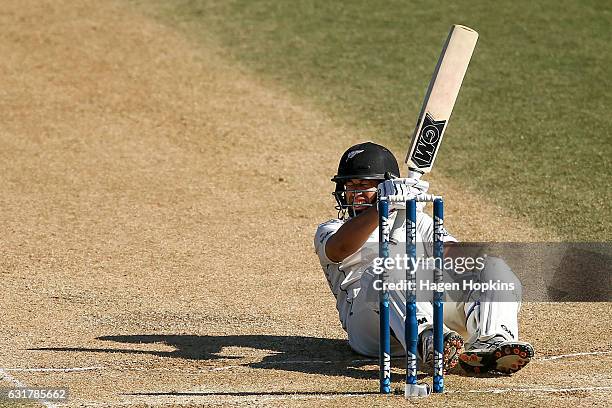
column 362, row 323
column 453, row 339
column 492, row 325
column 453, row 342
column 364, row 330
column 454, row 332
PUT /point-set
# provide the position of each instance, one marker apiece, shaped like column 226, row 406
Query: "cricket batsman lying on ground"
column 490, row 328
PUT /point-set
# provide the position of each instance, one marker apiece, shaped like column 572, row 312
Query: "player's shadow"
column 311, row 355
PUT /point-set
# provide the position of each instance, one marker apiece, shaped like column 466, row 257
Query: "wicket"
column 410, row 322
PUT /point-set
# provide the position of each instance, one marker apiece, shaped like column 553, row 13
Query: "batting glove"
column 398, row 190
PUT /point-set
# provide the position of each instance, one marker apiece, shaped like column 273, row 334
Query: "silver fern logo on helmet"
column 353, row 154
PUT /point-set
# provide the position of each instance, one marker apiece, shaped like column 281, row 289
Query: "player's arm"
column 356, row 231
column 352, row 235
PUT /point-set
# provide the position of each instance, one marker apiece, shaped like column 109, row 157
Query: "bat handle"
column 414, row 174
column 389, row 176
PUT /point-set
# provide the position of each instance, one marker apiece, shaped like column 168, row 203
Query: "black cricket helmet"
column 365, row 161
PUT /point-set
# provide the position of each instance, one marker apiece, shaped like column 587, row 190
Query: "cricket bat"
column 440, row 99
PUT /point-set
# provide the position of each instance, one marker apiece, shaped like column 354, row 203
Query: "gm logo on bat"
column 428, row 142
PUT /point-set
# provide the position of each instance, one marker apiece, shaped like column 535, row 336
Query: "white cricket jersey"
column 344, row 277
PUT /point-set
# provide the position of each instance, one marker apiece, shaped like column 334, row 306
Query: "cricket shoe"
column 495, row 354
column 453, row 345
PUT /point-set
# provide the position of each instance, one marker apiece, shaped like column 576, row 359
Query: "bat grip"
column 414, row 174
column 389, row 176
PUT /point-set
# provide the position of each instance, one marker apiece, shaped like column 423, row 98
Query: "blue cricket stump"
column 438, row 296
column 383, row 300
column 411, row 325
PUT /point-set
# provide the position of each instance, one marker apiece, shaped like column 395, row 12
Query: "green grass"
column 531, row 128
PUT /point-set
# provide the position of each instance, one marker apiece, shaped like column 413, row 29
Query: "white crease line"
column 534, row 390
column 63, row 370
column 264, row 363
column 172, row 400
column 223, row 368
column 372, row 360
column 7, row 377
column 308, row 362
column 222, row 399
column 365, row 360
column 593, row 353
column 303, row 397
